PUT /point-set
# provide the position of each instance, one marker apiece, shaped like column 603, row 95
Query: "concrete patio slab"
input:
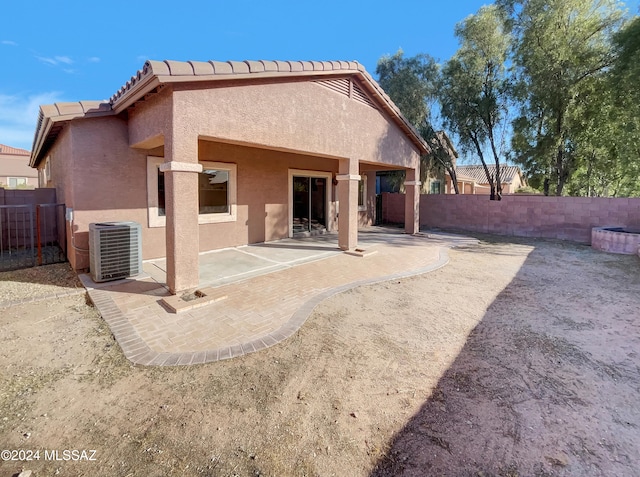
column 220, row 267
column 270, row 293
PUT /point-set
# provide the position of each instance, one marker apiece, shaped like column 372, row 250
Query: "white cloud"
column 48, row 61
column 18, row 117
column 9, row 43
column 64, row 59
column 56, row 60
column 93, row 59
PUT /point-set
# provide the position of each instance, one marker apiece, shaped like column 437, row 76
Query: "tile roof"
column 477, row 173
column 13, row 151
column 173, row 71
column 155, row 74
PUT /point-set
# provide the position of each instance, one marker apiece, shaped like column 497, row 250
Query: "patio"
column 266, row 293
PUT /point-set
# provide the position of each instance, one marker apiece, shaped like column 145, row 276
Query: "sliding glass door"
column 309, row 204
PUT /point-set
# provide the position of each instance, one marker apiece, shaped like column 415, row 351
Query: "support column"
column 412, row 202
column 181, row 205
column 348, row 179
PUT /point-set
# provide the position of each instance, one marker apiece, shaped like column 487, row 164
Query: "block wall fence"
column 564, row 218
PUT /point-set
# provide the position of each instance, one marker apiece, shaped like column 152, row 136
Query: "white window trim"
column 230, row 216
column 304, row 173
column 155, row 220
column 363, row 207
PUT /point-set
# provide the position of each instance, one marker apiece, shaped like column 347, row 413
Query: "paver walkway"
column 260, row 311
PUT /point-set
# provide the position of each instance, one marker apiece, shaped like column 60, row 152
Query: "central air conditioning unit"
column 115, row 250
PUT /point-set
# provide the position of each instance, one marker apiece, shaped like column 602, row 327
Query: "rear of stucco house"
column 207, row 155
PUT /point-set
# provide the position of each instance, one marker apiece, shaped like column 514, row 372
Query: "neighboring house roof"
column 13, row 151
column 477, row 173
column 14, row 162
column 156, row 74
column 462, row 177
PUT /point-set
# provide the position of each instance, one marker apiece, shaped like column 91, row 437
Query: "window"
column 213, row 191
column 217, row 186
column 17, row 182
column 362, row 192
column 434, row 188
column 44, row 173
column 217, row 192
column 161, row 205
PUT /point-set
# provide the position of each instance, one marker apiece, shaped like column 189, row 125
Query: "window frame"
column 156, row 220
column 17, row 180
column 363, row 180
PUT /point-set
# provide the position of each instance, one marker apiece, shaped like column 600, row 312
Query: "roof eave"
column 139, row 90
column 147, row 80
column 49, row 117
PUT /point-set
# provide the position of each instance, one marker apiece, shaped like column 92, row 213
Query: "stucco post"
column 348, row 179
column 412, row 202
column 181, row 205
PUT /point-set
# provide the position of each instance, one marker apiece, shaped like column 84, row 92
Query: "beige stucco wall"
column 12, row 165
column 150, row 120
column 266, row 130
column 263, row 192
column 299, row 116
column 101, row 178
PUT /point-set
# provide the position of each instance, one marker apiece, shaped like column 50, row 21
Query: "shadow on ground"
column 55, row 275
column 545, row 387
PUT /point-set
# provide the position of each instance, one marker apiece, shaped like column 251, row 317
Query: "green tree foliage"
column 562, row 54
column 474, row 86
column 411, row 83
column 625, row 94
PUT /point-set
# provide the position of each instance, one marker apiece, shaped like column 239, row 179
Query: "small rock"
column 26, row 435
column 560, row 459
column 354, row 414
column 25, row 473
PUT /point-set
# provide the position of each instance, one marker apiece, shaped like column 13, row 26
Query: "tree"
column 474, row 86
column 411, row 84
column 562, row 50
column 623, row 82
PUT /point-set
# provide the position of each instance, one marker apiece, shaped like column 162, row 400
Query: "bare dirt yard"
column 518, row 358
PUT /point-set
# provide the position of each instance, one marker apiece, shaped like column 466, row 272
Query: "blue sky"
column 85, row 50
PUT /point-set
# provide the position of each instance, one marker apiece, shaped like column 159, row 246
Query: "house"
column 14, row 168
column 207, row 155
column 435, row 178
column 472, row 179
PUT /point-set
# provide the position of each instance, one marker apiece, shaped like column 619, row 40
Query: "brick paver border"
column 138, row 351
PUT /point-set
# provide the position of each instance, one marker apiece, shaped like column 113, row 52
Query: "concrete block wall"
column 565, row 218
column 27, row 196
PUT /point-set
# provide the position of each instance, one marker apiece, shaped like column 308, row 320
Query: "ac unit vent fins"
column 115, row 250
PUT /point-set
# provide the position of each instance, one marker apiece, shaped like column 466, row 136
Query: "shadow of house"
column 546, row 383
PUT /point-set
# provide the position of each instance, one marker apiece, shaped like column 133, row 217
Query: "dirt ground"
column 518, row 358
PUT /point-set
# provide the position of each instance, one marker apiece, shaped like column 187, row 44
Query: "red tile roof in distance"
column 13, row 151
